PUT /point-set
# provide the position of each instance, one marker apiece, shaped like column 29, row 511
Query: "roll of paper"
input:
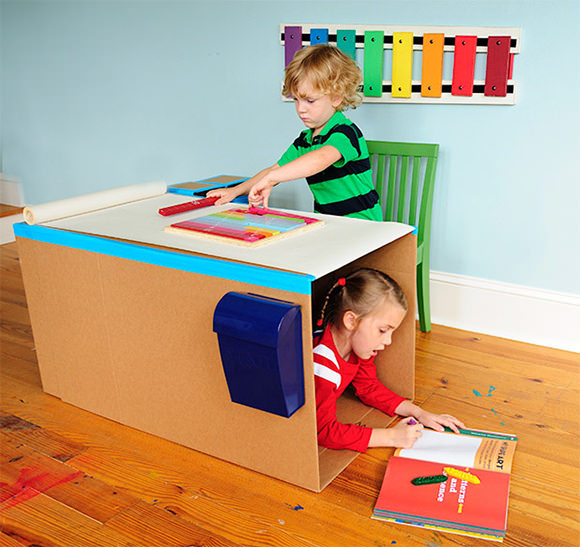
column 63, row 208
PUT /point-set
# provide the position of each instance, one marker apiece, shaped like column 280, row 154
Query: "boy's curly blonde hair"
column 328, row 70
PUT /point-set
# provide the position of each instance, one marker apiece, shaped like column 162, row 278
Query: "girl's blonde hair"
column 361, row 292
column 328, row 70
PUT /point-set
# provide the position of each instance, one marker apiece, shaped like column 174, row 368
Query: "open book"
column 465, row 489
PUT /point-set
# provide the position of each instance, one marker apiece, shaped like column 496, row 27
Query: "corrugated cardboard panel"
column 133, row 342
column 219, row 180
column 174, row 382
column 349, row 410
column 69, row 324
column 396, row 364
column 190, row 185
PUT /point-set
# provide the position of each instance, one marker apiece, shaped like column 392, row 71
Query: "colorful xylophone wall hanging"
column 435, row 51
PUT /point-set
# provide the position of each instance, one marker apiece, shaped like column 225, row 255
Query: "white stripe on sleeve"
column 325, row 351
column 327, row 374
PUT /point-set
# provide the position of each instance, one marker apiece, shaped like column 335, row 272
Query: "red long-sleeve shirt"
column 332, row 374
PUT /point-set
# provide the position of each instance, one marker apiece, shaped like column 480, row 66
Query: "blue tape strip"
column 246, row 273
column 414, row 232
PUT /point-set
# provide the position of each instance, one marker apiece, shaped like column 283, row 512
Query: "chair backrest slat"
column 414, row 190
column 391, row 187
column 427, row 197
column 380, row 176
column 402, row 187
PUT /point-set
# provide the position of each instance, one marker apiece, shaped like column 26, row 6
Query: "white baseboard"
column 6, row 230
column 10, row 192
column 527, row 314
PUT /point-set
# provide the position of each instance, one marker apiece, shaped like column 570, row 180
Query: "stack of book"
column 450, row 482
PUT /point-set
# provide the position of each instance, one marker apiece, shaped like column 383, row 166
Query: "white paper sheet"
column 315, row 252
column 444, row 448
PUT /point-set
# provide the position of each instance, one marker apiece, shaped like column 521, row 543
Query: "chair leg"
column 423, row 296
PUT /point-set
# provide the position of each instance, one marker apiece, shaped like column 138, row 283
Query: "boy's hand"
column 260, row 193
column 225, row 195
column 438, row 422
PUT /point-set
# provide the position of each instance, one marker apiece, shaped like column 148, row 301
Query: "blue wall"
column 98, row 94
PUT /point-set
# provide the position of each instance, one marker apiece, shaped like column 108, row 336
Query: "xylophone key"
column 402, row 64
column 432, row 71
column 292, row 42
column 464, row 65
column 373, row 63
column 498, row 65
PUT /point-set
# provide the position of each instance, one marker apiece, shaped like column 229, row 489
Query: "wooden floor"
column 74, row 479
column 7, row 210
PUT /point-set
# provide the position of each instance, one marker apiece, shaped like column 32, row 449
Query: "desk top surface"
column 314, row 252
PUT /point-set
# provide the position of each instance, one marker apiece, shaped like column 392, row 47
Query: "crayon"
column 418, row 481
column 462, row 475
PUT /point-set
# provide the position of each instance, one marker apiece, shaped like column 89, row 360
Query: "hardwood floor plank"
column 87, row 495
column 46, row 522
column 8, row 210
column 156, row 527
column 254, row 502
column 16, row 430
column 7, row 541
column 494, row 346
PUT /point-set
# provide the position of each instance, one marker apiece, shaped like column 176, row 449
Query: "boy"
column 331, row 153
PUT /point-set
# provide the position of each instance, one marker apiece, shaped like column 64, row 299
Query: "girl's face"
column 374, row 331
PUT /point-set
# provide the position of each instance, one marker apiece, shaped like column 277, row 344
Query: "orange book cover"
column 474, row 503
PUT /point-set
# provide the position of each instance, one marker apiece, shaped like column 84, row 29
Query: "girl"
column 359, row 316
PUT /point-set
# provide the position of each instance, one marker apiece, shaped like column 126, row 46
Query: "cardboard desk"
column 121, row 314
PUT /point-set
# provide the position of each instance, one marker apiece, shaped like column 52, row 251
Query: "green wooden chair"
column 404, row 177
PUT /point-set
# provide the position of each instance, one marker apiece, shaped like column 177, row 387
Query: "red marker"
column 188, row 206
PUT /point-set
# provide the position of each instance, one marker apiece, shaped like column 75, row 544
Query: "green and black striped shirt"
column 345, row 188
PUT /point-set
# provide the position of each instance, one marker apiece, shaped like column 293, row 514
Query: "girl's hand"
column 225, row 195
column 438, row 422
column 403, row 435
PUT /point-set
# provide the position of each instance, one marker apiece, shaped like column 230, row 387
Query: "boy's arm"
column 305, row 166
column 228, row 194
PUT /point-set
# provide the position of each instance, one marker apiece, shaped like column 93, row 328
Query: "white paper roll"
column 63, row 208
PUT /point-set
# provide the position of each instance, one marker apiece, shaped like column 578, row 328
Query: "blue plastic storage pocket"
column 260, row 341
